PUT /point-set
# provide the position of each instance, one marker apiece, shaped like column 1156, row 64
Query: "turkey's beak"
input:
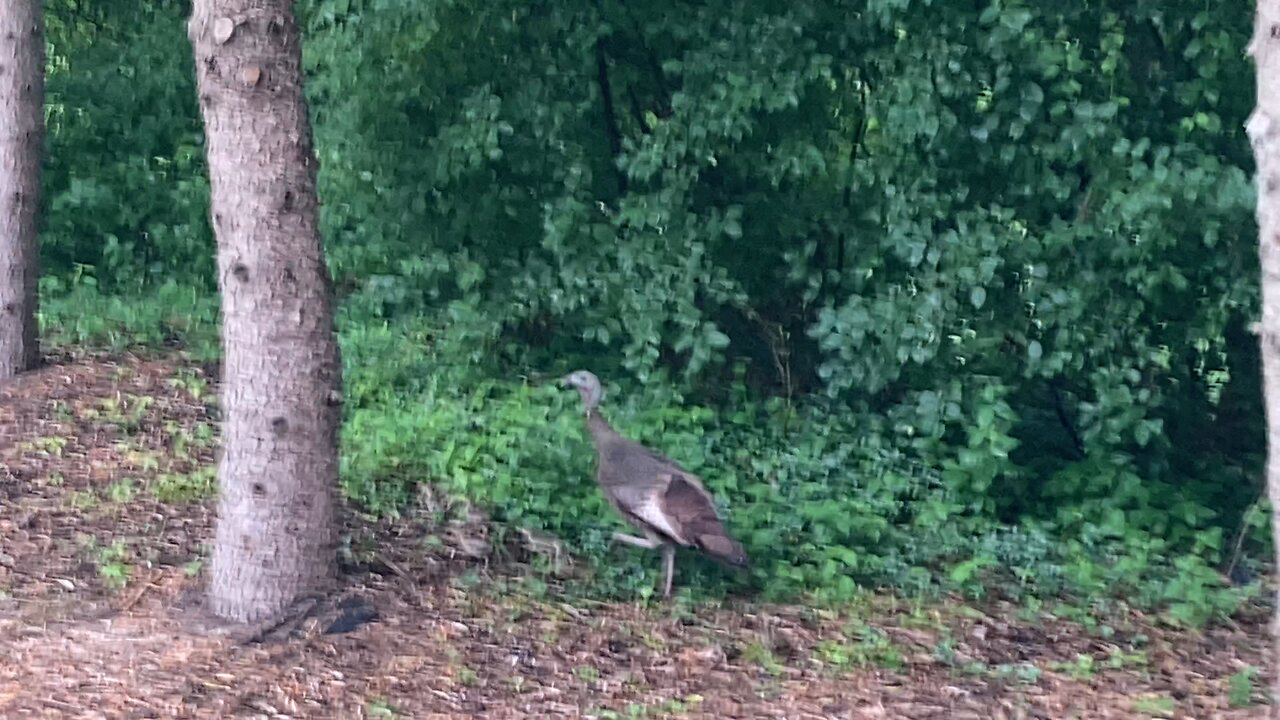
column 566, row 382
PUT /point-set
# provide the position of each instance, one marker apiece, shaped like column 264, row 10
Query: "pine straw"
column 73, row 647
column 467, row 655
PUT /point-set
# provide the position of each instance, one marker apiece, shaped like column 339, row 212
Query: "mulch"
column 100, row 558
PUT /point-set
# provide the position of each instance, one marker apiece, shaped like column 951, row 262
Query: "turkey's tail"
column 695, row 513
column 722, row 547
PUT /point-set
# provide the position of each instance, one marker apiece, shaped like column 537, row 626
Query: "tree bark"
column 21, row 146
column 1264, row 134
column 276, row 535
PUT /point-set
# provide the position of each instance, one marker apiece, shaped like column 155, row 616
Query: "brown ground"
column 105, row 514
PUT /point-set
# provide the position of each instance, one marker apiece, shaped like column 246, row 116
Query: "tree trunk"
column 21, row 146
column 275, row 539
column 1264, row 134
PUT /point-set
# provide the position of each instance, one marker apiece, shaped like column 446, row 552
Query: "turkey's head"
column 587, row 385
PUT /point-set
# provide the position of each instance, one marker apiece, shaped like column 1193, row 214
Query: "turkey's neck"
column 598, row 427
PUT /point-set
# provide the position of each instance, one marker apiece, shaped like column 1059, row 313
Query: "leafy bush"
column 126, row 193
column 167, row 316
column 939, row 297
column 823, row 501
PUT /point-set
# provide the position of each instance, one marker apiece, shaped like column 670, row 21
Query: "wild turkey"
column 654, row 494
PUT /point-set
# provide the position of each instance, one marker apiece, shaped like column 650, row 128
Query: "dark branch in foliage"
column 858, row 138
column 611, row 130
column 664, row 93
column 655, row 68
column 638, row 112
column 1060, row 409
column 1086, row 194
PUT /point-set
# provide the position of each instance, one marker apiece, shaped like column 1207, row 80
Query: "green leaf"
column 977, row 297
column 717, row 339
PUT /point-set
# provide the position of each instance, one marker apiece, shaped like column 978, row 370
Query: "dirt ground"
column 106, row 515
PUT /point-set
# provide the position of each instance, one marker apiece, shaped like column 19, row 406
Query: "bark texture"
column 21, row 143
column 1264, row 134
column 275, row 539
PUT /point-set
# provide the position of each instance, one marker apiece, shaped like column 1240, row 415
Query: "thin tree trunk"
column 21, row 146
column 1264, row 134
column 275, row 539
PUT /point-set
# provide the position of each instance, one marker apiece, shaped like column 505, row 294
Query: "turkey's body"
column 658, row 497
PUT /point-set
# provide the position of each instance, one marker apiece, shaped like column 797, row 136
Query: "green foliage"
column 78, row 313
column 196, row 486
column 933, row 296
column 113, row 561
column 1240, row 686
column 1158, row 706
column 126, row 193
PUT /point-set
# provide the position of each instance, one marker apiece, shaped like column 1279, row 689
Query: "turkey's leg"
column 646, row 543
column 669, row 561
